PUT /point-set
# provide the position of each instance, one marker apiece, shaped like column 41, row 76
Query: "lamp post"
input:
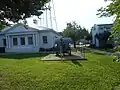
column 84, row 45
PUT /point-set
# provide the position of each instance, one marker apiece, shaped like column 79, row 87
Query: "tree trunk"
column 74, row 44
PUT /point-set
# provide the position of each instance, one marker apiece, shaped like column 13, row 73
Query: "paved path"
column 53, row 57
column 102, row 52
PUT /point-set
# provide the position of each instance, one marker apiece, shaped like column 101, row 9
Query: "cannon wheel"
column 57, row 53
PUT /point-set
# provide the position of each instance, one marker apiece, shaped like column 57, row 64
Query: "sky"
column 82, row 11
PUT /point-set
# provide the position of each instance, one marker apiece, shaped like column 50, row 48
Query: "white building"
column 99, row 29
column 21, row 38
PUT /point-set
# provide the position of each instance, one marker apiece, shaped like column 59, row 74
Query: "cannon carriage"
column 63, row 46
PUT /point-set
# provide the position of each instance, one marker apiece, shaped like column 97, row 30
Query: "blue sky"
column 82, row 11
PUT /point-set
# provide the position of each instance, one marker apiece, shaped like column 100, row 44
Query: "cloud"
column 82, row 11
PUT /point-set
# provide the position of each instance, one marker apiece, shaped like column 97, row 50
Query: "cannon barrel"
column 63, row 45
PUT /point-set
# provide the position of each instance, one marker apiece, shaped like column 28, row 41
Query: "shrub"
column 43, row 49
column 117, row 48
column 117, row 56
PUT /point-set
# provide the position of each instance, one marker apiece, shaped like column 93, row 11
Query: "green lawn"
column 27, row 72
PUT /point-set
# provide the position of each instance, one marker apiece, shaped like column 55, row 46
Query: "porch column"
column 7, row 42
column 19, row 41
column 9, row 45
column 34, row 41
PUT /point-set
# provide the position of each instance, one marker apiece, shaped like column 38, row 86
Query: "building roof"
column 104, row 24
column 28, row 29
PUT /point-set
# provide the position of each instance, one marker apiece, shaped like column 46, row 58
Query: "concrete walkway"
column 53, row 57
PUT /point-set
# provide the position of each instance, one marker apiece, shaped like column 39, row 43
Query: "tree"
column 75, row 32
column 15, row 10
column 113, row 9
column 1, row 26
column 70, row 32
column 89, row 37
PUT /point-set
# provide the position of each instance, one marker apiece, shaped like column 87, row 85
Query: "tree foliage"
column 1, row 26
column 89, row 37
column 75, row 31
column 113, row 9
column 15, row 10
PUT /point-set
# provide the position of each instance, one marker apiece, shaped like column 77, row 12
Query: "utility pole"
column 49, row 7
column 46, row 16
column 54, row 15
column 47, row 10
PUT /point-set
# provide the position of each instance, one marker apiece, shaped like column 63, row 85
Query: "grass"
column 27, row 72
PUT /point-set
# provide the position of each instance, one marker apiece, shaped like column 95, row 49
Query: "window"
column 4, row 42
column 101, row 28
column 56, row 37
column 30, row 40
column 108, row 28
column 15, row 41
column 22, row 40
column 45, row 39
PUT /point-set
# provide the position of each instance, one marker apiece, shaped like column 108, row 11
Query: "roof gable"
column 16, row 28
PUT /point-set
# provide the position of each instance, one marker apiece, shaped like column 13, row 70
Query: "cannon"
column 62, row 46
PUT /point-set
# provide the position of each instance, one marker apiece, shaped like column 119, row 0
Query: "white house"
column 22, row 38
column 99, row 29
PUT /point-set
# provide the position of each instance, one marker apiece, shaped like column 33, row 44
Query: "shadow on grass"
column 76, row 62
column 73, row 62
column 22, row 55
column 99, row 53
